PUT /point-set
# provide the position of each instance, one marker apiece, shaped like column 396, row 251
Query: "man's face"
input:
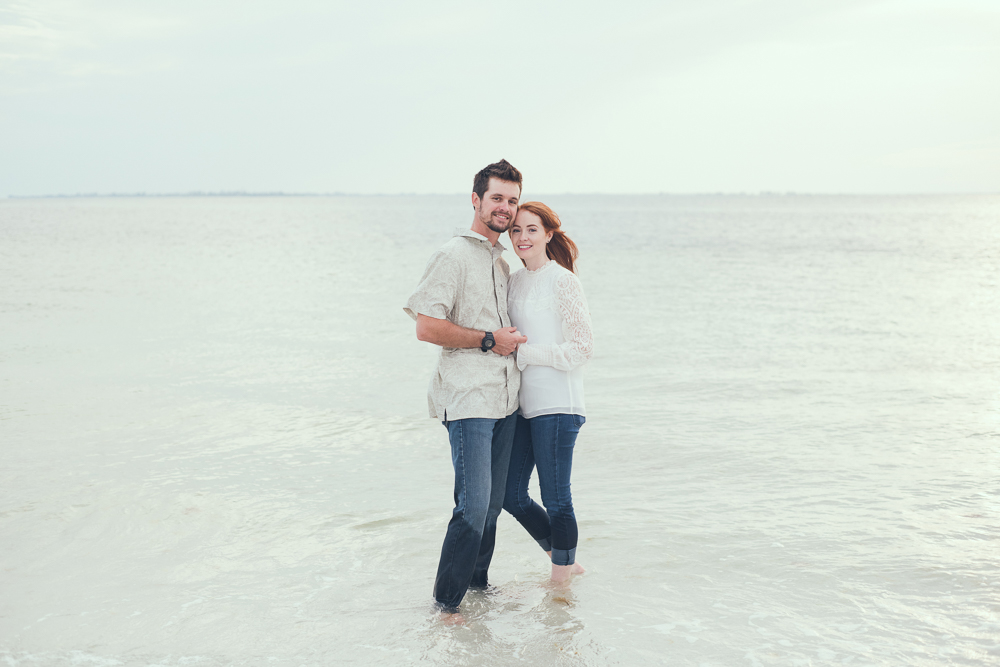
column 498, row 206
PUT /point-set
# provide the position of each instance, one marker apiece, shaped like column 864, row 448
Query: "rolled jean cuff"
column 545, row 543
column 564, row 556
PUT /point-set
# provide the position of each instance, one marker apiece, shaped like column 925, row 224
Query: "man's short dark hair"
column 503, row 170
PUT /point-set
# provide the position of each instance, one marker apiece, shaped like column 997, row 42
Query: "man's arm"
column 449, row 334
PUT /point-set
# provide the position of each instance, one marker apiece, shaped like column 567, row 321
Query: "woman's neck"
column 536, row 263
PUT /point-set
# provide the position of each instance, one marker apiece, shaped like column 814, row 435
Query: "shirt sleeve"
column 437, row 291
column 578, row 347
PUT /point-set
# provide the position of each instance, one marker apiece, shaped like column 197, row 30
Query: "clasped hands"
column 507, row 339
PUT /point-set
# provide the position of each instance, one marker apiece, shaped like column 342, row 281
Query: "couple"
column 493, row 364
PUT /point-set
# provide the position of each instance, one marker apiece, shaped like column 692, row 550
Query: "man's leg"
column 503, row 437
column 472, row 457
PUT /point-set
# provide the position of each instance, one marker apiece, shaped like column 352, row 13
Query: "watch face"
column 490, row 343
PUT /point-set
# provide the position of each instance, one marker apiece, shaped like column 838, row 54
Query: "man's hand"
column 507, row 340
column 449, row 334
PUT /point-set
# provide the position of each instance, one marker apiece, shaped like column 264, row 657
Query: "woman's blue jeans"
column 480, row 451
column 545, row 442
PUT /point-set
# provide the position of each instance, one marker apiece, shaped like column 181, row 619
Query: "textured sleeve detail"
column 436, row 293
column 571, row 305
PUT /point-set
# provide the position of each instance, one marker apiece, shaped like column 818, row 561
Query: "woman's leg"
column 516, row 501
column 553, row 438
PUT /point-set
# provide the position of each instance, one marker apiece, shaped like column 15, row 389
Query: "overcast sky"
column 386, row 97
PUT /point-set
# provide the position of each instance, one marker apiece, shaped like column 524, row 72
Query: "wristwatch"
column 488, row 342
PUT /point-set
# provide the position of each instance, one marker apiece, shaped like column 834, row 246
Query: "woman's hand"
column 507, row 338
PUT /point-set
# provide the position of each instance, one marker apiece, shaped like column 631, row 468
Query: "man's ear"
column 475, row 200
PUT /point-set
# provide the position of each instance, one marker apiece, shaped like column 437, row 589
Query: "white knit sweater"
column 548, row 306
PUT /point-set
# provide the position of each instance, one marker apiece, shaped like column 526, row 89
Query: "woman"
column 546, row 303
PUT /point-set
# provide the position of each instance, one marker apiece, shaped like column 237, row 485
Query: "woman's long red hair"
column 561, row 247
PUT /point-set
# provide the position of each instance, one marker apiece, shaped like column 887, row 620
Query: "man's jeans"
column 546, row 442
column 480, row 452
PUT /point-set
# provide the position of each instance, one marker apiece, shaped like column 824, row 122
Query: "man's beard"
column 498, row 226
column 495, row 225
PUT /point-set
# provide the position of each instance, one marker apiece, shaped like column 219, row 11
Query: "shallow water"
column 216, row 449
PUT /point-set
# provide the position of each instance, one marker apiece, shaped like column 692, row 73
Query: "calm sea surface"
column 215, row 448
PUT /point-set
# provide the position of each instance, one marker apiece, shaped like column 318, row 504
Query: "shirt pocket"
column 477, row 296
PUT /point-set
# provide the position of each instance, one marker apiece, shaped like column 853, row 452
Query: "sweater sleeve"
column 577, row 332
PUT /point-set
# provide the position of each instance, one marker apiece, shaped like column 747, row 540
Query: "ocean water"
column 215, row 448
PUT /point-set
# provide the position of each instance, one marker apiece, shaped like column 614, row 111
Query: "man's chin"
column 498, row 227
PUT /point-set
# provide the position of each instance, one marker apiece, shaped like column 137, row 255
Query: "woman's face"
column 528, row 236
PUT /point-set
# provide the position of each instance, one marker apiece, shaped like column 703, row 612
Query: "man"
column 461, row 305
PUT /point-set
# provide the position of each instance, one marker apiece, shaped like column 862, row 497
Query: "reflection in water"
column 529, row 622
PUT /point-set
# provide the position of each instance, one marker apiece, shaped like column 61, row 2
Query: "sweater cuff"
column 523, row 356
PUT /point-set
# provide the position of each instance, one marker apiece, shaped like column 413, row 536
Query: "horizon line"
column 243, row 193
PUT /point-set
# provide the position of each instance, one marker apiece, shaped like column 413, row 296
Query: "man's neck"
column 480, row 228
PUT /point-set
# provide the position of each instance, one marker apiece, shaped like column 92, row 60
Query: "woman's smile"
column 529, row 238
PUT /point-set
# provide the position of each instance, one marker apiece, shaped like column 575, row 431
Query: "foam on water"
column 212, row 415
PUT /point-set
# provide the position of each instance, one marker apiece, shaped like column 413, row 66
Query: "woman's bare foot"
column 561, row 573
column 575, row 568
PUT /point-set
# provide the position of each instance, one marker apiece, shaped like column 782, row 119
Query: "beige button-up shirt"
column 466, row 283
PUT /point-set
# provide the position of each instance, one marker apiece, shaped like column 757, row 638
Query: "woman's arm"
column 577, row 332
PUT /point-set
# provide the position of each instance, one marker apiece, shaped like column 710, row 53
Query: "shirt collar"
column 479, row 237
